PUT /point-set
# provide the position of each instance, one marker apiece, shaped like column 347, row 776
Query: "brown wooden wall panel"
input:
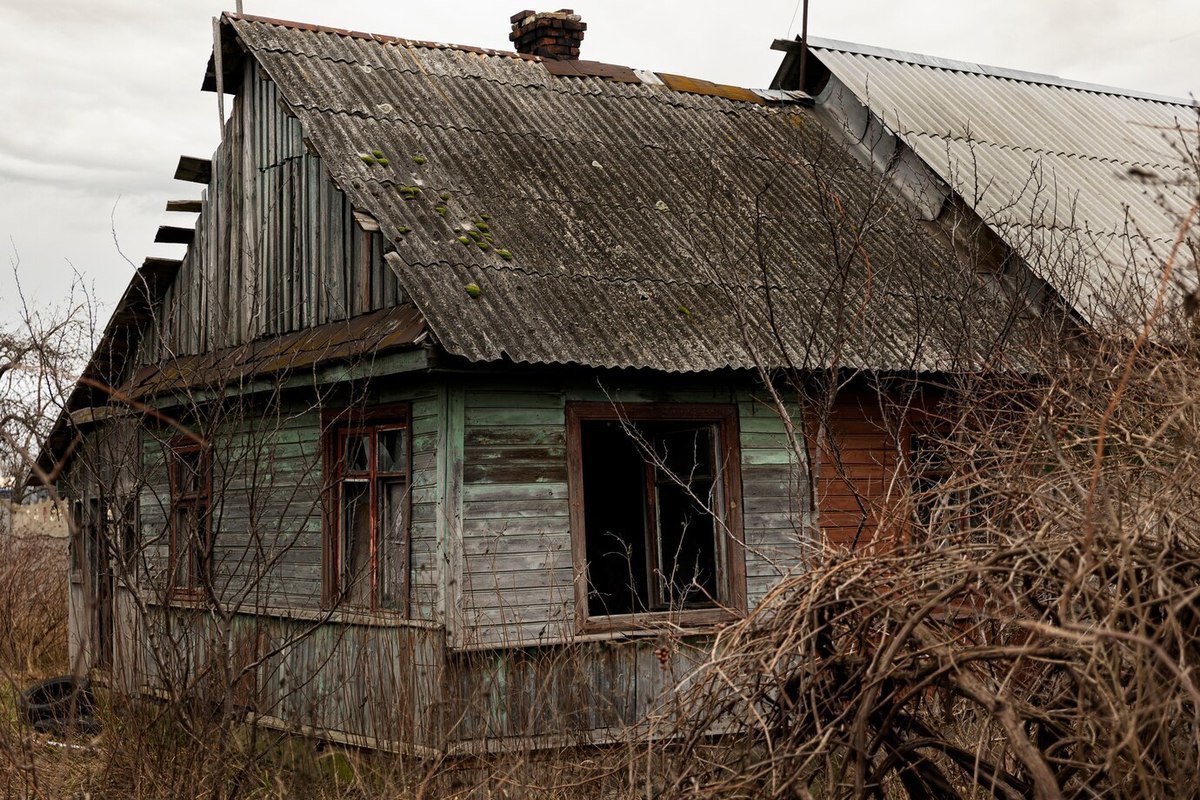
column 861, row 480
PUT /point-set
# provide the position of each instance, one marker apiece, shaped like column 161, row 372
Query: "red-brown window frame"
column 336, row 425
column 732, row 553
column 202, row 499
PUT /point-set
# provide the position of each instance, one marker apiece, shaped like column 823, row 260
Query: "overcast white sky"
column 101, row 97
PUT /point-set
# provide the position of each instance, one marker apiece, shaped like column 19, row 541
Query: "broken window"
column 190, row 473
column 368, row 532
column 652, row 494
column 946, row 510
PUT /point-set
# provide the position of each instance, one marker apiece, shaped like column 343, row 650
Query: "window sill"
column 618, row 636
column 656, row 622
column 370, row 619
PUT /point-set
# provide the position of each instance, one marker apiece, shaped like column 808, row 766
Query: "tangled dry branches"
column 1027, row 637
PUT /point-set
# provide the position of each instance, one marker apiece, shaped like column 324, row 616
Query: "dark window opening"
column 652, row 512
column 944, row 509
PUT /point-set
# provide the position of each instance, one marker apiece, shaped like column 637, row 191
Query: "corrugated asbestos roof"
column 631, row 220
column 1083, row 181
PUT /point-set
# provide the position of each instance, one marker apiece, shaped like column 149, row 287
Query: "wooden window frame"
column 731, row 552
column 336, row 426
column 202, row 500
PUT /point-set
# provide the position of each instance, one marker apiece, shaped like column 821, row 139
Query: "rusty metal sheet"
column 681, row 83
column 374, row 333
column 579, row 68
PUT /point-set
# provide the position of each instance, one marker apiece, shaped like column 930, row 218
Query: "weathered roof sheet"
column 1089, row 184
column 658, row 223
column 117, row 342
column 344, row 340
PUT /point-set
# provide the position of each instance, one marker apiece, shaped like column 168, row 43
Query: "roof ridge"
column 954, row 65
column 378, row 37
column 677, row 84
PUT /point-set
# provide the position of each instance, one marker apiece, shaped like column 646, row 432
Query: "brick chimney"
column 549, row 34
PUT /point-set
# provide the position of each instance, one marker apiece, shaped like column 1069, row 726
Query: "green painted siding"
column 517, row 568
column 267, row 510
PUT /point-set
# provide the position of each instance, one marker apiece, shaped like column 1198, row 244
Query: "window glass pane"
column 201, row 555
column 393, row 543
column 188, row 543
column 686, row 552
column 357, row 454
column 128, row 533
column 392, row 446
column 356, row 542
column 187, row 471
column 650, row 494
column 75, row 546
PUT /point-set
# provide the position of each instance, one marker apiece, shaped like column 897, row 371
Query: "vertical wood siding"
column 379, row 682
column 566, row 694
column 276, row 246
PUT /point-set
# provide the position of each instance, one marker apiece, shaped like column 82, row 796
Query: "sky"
column 101, row 97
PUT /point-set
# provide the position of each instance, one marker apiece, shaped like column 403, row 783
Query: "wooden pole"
column 220, row 70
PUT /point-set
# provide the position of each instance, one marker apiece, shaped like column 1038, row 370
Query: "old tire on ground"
column 58, row 704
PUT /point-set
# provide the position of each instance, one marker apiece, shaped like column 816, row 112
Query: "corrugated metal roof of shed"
column 630, row 213
column 1042, row 160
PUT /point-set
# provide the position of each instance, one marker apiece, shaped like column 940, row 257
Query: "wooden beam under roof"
column 161, row 266
column 196, row 170
column 170, row 234
column 187, row 206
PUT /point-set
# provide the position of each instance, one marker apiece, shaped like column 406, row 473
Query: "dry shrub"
column 33, row 605
column 1034, row 634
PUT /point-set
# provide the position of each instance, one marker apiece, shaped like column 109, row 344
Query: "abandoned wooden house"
column 457, row 423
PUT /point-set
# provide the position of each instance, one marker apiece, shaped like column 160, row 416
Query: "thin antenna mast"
column 803, row 45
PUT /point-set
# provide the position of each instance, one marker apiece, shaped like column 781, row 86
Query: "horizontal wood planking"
column 268, row 514
column 776, row 517
column 514, row 489
column 516, row 522
column 860, row 478
column 590, row 686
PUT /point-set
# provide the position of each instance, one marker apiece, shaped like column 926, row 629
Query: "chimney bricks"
column 549, row 34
